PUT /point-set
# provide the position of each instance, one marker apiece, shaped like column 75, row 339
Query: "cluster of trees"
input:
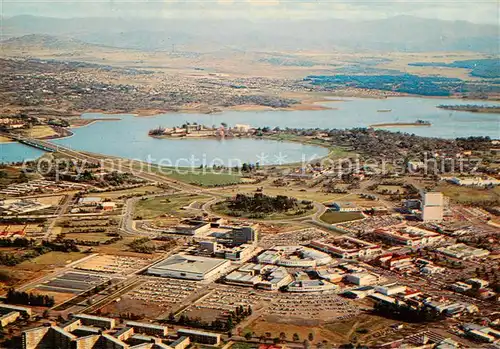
column 33, row 250
column 15, row 297
column 262, row 203
column 17, row 242
column 11, row 259
column 233, row 318
column 249, row 167
column 61, row 245
column 484, row 68
column 406, row 313
column 114, row 238
column 474, row 143
column 142, row 245
column 268, row 101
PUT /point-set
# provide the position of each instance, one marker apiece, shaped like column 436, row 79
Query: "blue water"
column 16, row 152
column 128, row 136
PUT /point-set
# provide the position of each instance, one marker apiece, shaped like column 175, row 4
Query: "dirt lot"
column 334, row 333
column 50, row 200
column 113, row 264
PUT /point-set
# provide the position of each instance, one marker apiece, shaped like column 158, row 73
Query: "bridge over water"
column 35, row 143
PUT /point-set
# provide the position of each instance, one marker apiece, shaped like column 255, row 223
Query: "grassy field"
column 357, row 200
column 468, row 194
column 198, row 177
column 40, row 131
column 300, row 193
column 154, row 207
column 148, row 189
column 206, row 179
column 50, row 260
column 332, row 217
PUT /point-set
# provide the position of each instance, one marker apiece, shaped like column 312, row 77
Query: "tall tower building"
column 432, row 207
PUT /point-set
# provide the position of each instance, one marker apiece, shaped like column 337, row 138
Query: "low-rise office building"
column 150, row 329
column 361, row 279
column 97, row 321
column 462, row 251
column 9, row 318
column 200, row 336
column 347, row 247
column 22, row 310
column 408, row 236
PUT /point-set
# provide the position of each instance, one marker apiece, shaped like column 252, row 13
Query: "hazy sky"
column 482, row 11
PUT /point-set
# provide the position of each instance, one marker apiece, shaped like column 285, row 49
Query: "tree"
column 248, row 335
column 282, row 336
column 310, row 336
column 296, row 337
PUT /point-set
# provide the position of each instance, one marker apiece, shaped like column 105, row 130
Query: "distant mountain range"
column 402, row 33
column 45, row 41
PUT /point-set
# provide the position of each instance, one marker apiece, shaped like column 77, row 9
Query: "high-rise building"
column 432, row 207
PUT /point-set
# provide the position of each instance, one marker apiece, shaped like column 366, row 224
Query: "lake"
column 129, row 138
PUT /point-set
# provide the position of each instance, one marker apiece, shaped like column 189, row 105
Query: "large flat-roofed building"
column 408, row 236
column 361, row 279
column 476, row 181
column 189, row 267
column 346, row 247
column 294, row 256
column 98, row 321
column 193, row 227
column 200, row 336
column 462, row 251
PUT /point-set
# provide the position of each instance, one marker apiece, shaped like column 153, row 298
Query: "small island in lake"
column 195, row 130
column 473, row 108
column 403, row 124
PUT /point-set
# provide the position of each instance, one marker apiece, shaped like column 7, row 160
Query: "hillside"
column 42, row 41
column 401, row 33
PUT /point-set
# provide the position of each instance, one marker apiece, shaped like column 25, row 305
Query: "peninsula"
column 417, row 123
column 473, row 108
column 195, row 130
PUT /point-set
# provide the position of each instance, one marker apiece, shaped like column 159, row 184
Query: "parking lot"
column 324, row 306
column 297, row 237
column 156, row 297
column 111, row 264
column 223, row 299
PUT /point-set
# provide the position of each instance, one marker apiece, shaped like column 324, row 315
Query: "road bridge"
column 35, row 143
